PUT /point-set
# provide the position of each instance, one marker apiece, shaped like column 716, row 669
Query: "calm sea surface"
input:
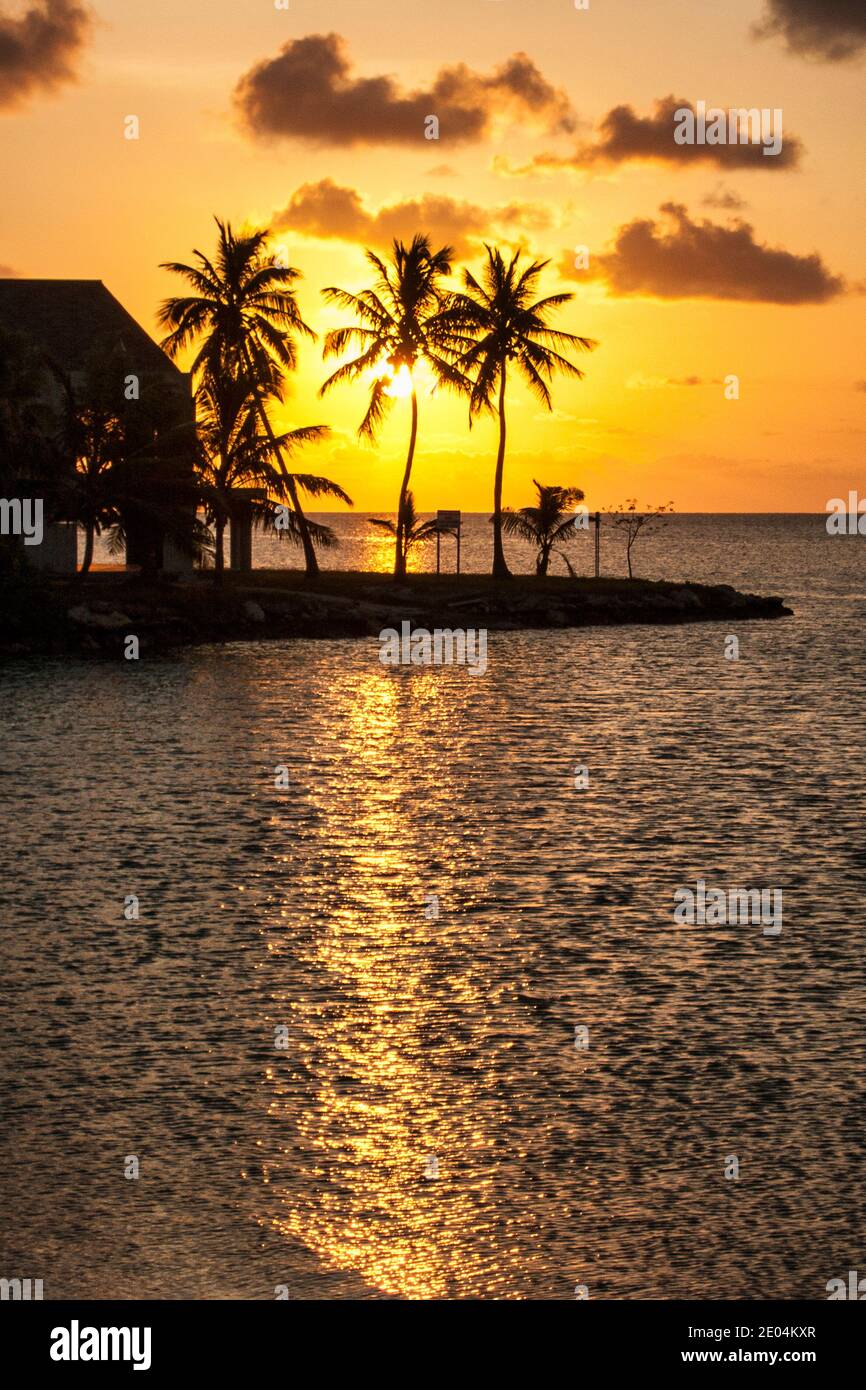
column 408, row 1037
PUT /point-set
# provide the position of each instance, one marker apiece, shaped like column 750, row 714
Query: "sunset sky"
column 736, row 263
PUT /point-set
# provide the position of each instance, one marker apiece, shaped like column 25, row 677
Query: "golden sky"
column 703, row 264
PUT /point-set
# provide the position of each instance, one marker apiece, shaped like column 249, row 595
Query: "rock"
column 685, row 598
column 313, row 608
column 85, row 617
column 254, row 611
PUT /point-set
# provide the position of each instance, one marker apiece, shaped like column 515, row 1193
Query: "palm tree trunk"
column 500, row 567
column 543, row 561
column 310, row 561
column 87, row 558
column 400, row 553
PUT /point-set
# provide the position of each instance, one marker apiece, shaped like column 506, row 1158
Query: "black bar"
column 650, row 1338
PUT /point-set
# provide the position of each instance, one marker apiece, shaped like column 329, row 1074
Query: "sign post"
column 448, row 523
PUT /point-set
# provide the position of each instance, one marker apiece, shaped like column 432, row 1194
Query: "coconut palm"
column 244, row 314
column 93, row 439
column 502, row 323
column 117, row 479
column 546, row 526
column 236, row 458
column 413, row 530
column 401, row 320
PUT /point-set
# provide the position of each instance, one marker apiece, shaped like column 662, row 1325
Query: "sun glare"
column 399, row 382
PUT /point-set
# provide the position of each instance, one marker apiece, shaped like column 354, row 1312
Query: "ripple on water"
column 411, row 1037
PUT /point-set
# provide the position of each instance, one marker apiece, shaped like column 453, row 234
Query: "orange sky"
column 81, row 201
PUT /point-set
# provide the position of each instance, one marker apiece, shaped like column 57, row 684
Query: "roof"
column 67, row 319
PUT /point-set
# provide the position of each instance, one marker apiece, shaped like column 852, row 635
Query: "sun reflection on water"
column 379, row 1044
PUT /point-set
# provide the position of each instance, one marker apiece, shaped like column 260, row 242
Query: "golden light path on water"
column 364, row 1202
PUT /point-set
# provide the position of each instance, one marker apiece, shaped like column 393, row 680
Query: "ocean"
column 421, row 1023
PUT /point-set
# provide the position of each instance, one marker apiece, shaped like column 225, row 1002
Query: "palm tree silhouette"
column 235, row 455
column 413, row 530
column 401, row 320
column 115, row 470
column 93, row 438
column 548, row 524
column 503, row 325
column 245, row 311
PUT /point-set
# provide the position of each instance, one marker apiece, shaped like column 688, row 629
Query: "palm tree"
column 92, row 438
column 112, row 478
column 546, row 525
column 413, row 530
column 234, row 455
column 502, row 325
column 401, row 321
column 245, row 311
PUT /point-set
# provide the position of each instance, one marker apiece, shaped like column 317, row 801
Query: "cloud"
column 832, row 30
column 333, row 212
column 38, row 48
column 640, row 382
column 7, row 273
column 309, row 92
column 624, row 137
column 724, row 199
column 860, row 385
column 682, row 259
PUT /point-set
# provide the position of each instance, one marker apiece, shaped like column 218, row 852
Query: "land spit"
column 94, row 615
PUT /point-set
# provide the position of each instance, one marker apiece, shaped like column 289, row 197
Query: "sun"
column 399, row 382
column 405, row 379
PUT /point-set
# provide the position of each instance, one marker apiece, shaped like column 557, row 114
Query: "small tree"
column 627, row 517
column 547, row 525
column 412, row 531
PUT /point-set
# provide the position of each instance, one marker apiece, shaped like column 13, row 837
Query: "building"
column 68, row 322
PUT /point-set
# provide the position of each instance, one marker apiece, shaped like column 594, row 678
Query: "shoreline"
column 92, row 617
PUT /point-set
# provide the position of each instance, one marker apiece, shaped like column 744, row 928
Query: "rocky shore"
column 95, row 615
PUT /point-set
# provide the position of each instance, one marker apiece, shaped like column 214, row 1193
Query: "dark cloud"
column 624, row 137
column 724, row 200
column 38, row 48
column 331, row 211
column 682, row 259
column 640, row 382
column 309, row 92
column 832, row 30
column 7, row 273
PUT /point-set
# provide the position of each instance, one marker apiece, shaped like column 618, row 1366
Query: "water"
column 752, row 550
column 411, row 1037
